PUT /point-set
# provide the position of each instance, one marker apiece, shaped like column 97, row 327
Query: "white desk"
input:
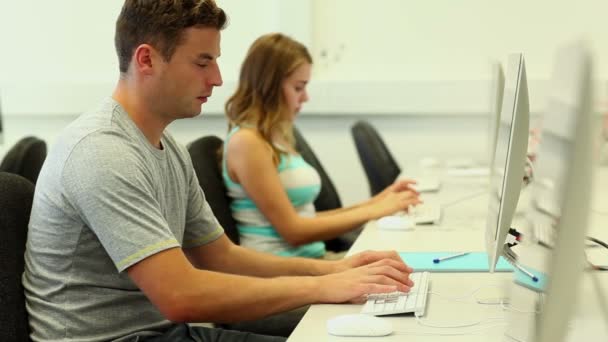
column 462, row 228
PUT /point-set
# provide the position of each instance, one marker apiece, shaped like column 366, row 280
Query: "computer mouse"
column 359, row 325
column 395, row 222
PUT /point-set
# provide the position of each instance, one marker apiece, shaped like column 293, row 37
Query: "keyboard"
column 426, row 213
column 426, row 184
column 544, row 234
column 381, row 304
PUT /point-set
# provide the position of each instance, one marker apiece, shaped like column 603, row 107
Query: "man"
column 122, row 244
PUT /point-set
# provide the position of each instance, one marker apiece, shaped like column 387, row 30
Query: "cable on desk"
column 455, row 326
column 600, row 243
column 471, row 294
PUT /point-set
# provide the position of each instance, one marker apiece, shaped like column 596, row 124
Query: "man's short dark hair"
column 161, row 23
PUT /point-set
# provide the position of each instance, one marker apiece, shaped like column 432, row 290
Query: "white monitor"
column 560, row 197
column 497, row 88
column 507, row 171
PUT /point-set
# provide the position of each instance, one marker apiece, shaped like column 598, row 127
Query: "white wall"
column 448, row 40
column 417, row 69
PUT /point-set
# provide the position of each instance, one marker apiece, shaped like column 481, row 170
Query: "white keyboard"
column 426, row 184
column 381, row 304
column 544, row 234
column 425, row 213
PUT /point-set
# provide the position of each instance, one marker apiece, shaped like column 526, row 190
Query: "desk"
column 589, row 324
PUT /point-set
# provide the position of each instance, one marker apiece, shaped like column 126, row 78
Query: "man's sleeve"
column 108, row 184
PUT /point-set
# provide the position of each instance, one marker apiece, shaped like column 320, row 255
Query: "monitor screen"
column 507, row 171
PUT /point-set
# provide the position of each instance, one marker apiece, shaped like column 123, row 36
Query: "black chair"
column 25, row 158
column 16, row 195
column 328, row 198
column 206, row 161
column 378, row 162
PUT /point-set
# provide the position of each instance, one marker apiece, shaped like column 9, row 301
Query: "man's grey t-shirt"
column 106, row 199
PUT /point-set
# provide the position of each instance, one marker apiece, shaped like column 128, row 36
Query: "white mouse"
column 395, row 222
column 359, row 325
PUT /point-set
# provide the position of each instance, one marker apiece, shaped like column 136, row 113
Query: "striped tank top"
column 302, row 185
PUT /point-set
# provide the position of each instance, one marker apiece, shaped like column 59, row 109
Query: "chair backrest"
column 328, row 198
column 25, row 158
column 205, row 159
column 16, row 195
column 378, row 162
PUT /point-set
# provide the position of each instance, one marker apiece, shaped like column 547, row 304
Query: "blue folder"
column 471, row 262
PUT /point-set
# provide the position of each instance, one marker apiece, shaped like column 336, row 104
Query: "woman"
column 272, row 187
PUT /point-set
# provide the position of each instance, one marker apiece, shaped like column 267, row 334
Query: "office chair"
column 328, row 198
column 25, row 158
column 379, row 165
column 16, row 195
column 205, row 159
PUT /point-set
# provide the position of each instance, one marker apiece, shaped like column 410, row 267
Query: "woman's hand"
column 401, row 184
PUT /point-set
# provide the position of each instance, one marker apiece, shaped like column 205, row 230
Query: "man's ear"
column 145, row 59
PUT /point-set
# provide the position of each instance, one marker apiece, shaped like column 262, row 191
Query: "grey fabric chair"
column 378, row 162
column 205, row 159
column 25, row 158
column 328, row 198
column 16, row 195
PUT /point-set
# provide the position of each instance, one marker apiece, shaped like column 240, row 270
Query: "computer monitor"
column 559, row 199
column 497, row 88
column 507, row 171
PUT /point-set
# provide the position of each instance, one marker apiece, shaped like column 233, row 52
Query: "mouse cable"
column 472, row 293
column 425, row 323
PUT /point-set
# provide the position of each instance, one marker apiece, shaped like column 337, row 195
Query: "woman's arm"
column 398, row 186
column 250, row 163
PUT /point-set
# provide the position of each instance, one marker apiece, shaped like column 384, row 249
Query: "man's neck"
column 150, row 123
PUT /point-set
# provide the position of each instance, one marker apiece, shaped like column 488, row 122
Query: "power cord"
column 602, row 244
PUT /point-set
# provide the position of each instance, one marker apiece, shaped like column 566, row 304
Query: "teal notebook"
column 471, row 262
column 524, row 279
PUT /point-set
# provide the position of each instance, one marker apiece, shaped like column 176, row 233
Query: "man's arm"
column 222, row 255
column 183, row 293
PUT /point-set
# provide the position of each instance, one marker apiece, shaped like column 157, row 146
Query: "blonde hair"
column 259, row 100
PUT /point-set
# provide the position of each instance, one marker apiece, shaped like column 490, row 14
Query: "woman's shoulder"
column 248, row 140
column 247, row 136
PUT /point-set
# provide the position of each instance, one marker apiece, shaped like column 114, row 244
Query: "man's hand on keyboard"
column 369, row 257
column 382, row 276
